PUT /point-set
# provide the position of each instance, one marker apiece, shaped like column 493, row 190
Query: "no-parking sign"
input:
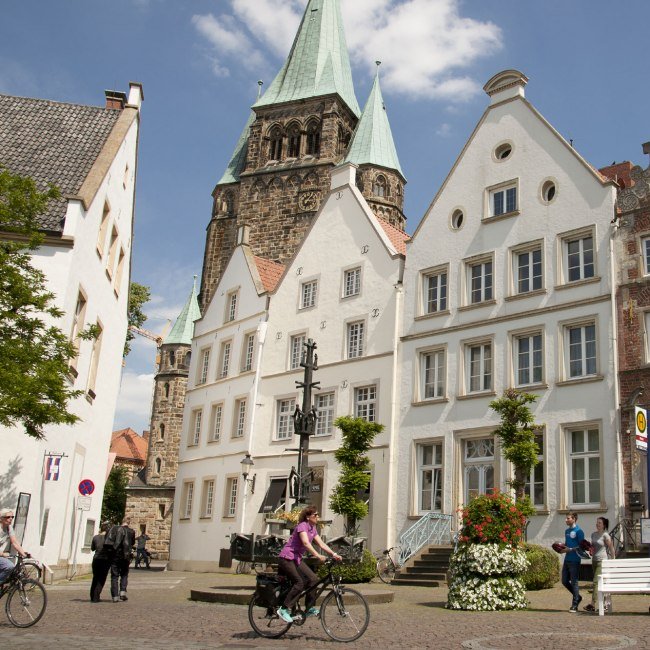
column 86, row 487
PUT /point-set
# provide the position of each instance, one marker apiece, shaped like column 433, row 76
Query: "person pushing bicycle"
column 290, row 563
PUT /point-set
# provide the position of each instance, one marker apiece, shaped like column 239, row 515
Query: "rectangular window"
column 231, row 313
column 204, row 366
column 89, row 533
column 308, row 294
column 535, row 484
column 195, row 430
column 207, row 498
column 78, row 323
column 224, row 361
column 325, row 408
column 355, row 339
column 429, row 458
column 528, row 359
column 579, row 258
column 365, row 403
column 478, row 467
column 528, row 270
column 434, row 292
column 103, row 229
column 352, row 282
column 646, row 320
column 187, row 499
column 480, row 281
column 240, row 418
column 117, row 285
column 584, row 466
column 112, row 253
column 284, row 428
column 248, row 352
column 231, row 497
column 295, row 354
column 216, row 418
column 479, row 367
column 503, row 201
column 94, row 360
column 645, row 252
column 581, row 343
column 432, row 369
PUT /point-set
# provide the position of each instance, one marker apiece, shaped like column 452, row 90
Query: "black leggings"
column 302, row 577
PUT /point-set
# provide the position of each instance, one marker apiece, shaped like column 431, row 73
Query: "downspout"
column 261, row 337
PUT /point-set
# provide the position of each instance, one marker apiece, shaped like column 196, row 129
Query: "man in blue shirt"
column 573, row 535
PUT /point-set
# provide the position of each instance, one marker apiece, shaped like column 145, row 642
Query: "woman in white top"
column 602, row 548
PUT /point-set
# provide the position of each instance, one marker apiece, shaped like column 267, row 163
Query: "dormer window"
column 275, row 144
column 294, row 141
column 379, row 187
column 313, row 139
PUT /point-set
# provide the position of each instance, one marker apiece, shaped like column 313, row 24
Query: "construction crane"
column 156, row 338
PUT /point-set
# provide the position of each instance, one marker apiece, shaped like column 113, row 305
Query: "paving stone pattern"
column 159, row 615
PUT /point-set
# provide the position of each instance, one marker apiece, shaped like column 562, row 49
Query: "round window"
column 503, row 151
column 457, row 219
column 548, row 191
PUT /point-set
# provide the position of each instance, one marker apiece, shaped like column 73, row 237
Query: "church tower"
column 150, row 495
column 297, row 132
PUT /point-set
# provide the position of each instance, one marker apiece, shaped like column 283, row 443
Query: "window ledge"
column 540, row 386
column 478, row 305
column 433, row 400
column 577, row 283
column 205, row 518
column 541, row 512
column 527, row 294
column 499, row 217
column 433, row 314
column 580, row 380
column 582, row 508
column 485, row 393
column 214, row 442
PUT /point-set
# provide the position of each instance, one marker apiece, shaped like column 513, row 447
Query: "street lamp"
column 246, row 464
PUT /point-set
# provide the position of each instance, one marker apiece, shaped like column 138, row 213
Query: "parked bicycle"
column 344, row 612
column 26, row 597
column 387, row 567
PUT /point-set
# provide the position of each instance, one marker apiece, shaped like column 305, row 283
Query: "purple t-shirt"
column 294, row 549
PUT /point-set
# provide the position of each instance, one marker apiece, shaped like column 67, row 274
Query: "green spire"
column 183, row 329
column 238, row 158
column 318, row 63
column 372, row 143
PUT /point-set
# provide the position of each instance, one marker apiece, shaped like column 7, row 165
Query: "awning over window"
column 275, row 496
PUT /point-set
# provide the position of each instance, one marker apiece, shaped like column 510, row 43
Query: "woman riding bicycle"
column 291, row 565
column 7, row 541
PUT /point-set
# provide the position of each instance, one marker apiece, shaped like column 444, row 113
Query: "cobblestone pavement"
column 160, row 616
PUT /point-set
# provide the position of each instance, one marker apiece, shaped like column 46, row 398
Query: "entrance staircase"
column 427, row 568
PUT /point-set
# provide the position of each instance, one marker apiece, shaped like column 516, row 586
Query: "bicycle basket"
column 267, row 590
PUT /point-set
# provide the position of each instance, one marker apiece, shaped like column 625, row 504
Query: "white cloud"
column 134, row 402
column 444, row 130
column 424, row 45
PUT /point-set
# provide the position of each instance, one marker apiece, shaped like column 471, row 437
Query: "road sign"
column 641, row 428
column 84, row 503
column 86, row 487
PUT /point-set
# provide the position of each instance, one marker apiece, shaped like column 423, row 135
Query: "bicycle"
column 26, row 597
column 344, row 612
column 386, row 566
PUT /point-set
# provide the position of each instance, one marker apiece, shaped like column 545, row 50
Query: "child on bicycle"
column 291, row 565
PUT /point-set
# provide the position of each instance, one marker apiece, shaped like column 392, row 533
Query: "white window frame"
column 355, row 339
column 216, row 422
column 326, row 413
column 187, row 500
column 248, row 352
column 589, row 432
column 366, row 402
column 482, row 463
column 440, row 300
column 436, row 468
column 645, row 254
column 646, row 335
column 232, row 300
column 531, row 266
column 224, row 358
column 484, row 368
column 502, row 193
column 230, row 504
column 352, row 282
column 518, row 355
column 239, row 418
column 296, row 344
column 308, row 293
column 204, row 366
column 582, row 346
column 285, row 408
column 586, row 270
column 432, row 376
column 195, row 430
column 485, row 285
column 207, row 498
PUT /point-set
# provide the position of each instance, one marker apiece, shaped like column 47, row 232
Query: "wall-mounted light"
column 246, row 465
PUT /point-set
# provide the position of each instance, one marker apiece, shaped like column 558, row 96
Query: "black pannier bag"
column 267, row 590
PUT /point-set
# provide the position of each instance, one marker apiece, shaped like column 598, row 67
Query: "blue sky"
column 199, row 62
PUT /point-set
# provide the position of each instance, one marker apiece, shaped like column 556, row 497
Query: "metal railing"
column 625, row 535
column 431, row 528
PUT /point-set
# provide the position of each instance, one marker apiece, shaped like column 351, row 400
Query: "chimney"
column 115, row 99
column 145, row 434
column 136, row 94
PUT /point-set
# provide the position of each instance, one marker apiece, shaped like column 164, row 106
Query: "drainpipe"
column 261, row 337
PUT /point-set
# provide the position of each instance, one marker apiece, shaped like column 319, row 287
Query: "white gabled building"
column 508, row 283
column 90, row 153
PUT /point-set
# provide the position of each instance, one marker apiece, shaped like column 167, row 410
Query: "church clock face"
column 308, row 201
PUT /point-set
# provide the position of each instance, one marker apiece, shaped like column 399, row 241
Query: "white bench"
column 628, row 576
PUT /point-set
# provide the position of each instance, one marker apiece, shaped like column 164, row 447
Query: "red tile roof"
column 270, row 272
column 397, row 237
column 619, row 172
column 128, row 445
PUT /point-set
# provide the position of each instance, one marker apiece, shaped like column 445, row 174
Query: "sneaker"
column 573, row 609
column 312, row 611
column 116, row 599
column 123, row 595
column 285, row 615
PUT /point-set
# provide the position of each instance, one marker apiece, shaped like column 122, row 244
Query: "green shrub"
column 363, row 570
column 544, row 569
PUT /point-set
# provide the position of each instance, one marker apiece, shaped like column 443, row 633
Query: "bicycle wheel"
column 386, row 569
column 265, row 621
column 344, row 616
column 32, row 571
column 26, row 603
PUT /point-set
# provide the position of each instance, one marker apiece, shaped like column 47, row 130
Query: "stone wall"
column 153, row 509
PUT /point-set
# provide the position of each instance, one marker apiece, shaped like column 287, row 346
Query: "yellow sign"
column 641, row 424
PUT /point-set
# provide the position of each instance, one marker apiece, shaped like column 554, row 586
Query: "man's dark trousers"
column 119, row 574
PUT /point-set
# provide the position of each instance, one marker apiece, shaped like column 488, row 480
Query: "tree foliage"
column 517, row 435
column 358, row 435
column 34, row 356
column 139, row 294
column 114, row 503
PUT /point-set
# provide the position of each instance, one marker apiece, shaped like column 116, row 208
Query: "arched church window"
column 294, row 141
column 161, row 430
column 158, row 465
column 275, row 144
column 313, row 139
column 166, row 390
column 359, row 180
column 228, row 203
column 343, row 141
column 379, row 187
column 188, row 357
column 172, row 358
